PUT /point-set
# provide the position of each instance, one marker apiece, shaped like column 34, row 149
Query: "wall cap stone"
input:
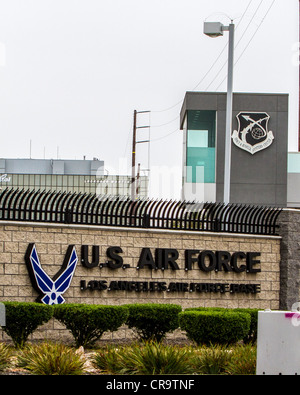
column 140, row 230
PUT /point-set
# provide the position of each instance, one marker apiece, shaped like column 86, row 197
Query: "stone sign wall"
column 119, row 266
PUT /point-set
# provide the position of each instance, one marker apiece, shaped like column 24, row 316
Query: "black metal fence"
column 91, row 209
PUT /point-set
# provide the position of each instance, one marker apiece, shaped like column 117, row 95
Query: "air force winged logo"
column 51, row 290
column 252, row 134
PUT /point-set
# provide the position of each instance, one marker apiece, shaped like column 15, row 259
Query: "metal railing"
column 92, row 209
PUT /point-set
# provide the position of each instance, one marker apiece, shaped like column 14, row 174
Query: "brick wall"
column 52, row 242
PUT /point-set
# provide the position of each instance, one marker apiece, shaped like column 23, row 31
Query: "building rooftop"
column 52, row 166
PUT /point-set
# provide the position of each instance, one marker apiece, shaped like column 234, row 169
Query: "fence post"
column 216, row 225
column 68, row 216
column 146, row 221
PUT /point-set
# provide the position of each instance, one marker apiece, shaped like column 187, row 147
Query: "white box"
column 278, row 343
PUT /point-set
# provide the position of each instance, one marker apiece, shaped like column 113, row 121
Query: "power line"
column 167, row 123
column 221, row 53
column 212, row 66
column 262, row 21
column 221, row 69
column 203, row 78
column 210, row 69
column 251, row 39
column 167, row 135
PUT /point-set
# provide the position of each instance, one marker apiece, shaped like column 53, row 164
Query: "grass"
column 211, row 360
column 6, row 353
column 148, row 358
column 51, row 359
column 153, row 358
column 243, row 360
column 145, row 359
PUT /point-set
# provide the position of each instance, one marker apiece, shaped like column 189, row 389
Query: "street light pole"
column 216, row 29
column 229, row 106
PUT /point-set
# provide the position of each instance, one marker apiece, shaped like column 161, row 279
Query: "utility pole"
column 138, row 180
column 134, row 145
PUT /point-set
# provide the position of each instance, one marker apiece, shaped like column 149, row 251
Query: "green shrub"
column 251, row 337
column 51, row 359
column 5, row 356
column 206, row 309
column 22, row 319
column 87, row 323
column 153, row 321
column 243, row 360
column 211, row 360
column 149, row 358
column 155, row 358
column 215, row 327
column 112, row 360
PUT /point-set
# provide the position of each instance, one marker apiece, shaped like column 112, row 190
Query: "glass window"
column 294, row 162
column 43, row 180
column 48, row 180
column 197, row 138
column 54, row 178
column 59, row 181
column 20, row 180
column 37, row 182
column 14, row 180
column 26, row 181
column 201, row 147
column 65, row 181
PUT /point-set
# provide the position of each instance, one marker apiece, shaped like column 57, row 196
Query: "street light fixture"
column 213, row 30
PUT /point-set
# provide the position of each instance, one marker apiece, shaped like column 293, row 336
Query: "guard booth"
column 259, row 149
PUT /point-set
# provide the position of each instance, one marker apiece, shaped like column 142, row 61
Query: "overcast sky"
column 73, row 71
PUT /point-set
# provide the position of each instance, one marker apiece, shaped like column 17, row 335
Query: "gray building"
column 84, row 176
column 52, row 166
column 259, row 156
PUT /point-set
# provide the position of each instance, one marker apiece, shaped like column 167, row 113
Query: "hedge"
column 215, row 327
column 251, row 336
column 153, row 321
column 87, row 323
column 23, row 318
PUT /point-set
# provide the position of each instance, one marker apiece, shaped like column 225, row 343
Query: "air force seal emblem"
column 51, row 290
column 252, row 134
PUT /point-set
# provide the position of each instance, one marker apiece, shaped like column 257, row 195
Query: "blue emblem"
column 51, row 290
